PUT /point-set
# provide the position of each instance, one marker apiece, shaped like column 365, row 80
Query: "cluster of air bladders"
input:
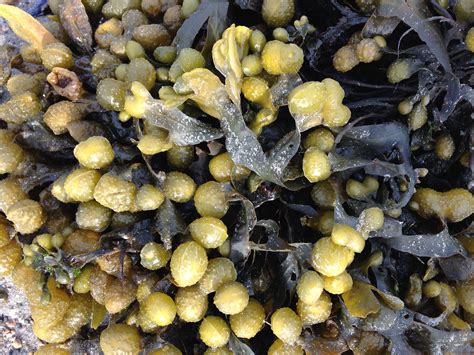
column 105, row 198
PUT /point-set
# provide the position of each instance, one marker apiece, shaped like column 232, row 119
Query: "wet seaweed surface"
column 272, row 221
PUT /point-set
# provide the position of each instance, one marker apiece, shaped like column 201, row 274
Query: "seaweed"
column 183, row 129
column 212, row 11
column 26, row 27
column 239, row 347
column 415, row 14
column 244, row 147
column 240, row 239
column 168, row 223
column 275, row 215
column 254, row 5
column 437, row 245
column 408, row 336
column 441, row 244
column 366, row 147
column 215, row 26
column 66, row 83
column 75, row 21
column 39, row 139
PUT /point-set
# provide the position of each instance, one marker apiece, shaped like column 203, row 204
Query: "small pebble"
column 16, row 344
column 3, row 296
